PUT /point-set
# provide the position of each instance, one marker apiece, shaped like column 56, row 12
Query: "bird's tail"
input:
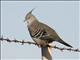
column 61, row 41
column 46, row 53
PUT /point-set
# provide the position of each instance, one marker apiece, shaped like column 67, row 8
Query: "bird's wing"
column 49, row 33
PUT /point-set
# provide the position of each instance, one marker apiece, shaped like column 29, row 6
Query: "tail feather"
column 61, row 41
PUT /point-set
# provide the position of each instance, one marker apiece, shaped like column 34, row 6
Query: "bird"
column 41, row 33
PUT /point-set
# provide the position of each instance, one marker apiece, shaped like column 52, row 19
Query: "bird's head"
column 29, row 16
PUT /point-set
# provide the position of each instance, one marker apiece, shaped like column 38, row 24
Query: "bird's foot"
column 39, row 45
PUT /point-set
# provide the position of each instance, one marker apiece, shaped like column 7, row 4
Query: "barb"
column 28, row 42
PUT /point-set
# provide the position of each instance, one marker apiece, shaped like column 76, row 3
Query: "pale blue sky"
column 61, row 16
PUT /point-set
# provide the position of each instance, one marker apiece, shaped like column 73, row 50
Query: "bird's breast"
column 34, row 29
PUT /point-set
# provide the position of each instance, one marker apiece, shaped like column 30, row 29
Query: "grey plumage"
column 41, row 33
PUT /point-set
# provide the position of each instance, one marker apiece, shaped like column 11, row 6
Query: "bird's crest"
column 31, row 11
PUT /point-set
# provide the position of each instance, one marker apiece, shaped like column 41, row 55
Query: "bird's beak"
column 25, row 20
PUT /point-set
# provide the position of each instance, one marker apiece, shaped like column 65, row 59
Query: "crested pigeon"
column 41, row 33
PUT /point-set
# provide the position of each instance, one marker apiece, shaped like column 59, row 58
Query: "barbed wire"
column 28, row 42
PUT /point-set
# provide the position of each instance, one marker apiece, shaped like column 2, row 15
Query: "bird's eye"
column 29, row 17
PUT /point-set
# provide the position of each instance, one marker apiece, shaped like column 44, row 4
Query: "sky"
column 61, row 16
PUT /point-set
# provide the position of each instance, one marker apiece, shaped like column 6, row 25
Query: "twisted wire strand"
column 28, row 42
